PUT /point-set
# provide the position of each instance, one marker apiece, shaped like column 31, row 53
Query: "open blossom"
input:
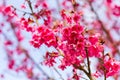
column 43, row 35
column 50, row 58
column 112, row 66
column 95, row 50
column 116, row 10
column 11, row 64
column 72, row 34
column 24, row 24
column 76, row 18
column 93, row 39
column 9, row 11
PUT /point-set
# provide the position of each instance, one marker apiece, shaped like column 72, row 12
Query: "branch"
column 88, row 63
column 104, row 69
column 81, row 68
column 30, row 6
column 74, row 4
column 21, row 10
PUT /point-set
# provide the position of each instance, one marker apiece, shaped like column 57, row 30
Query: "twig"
column 21, row 10
column 81, row 68
column 88, row 63
column 30, row 6
column 104, row 69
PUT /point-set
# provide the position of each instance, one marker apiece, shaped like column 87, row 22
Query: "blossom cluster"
column 112, row 66
column 43, row 35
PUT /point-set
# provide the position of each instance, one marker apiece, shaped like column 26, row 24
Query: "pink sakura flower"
column 39, row 3
column 43, row 35
column 93, row 39
column 67, row 4
column 63, row 65
column 71, row 34
column 65, row 17
column 44, row 5
column 75, row 75
column 23, row 6
column 116, row 10
column 63, row 14
column 69, row 17
column 11, row 64
column 8, row 42
column 112, row 66
column 29, row 73
column 76, row 18
column 8, row 9
column 109, row 1
column 97, row 74
column 95, row 50
column 24, row 24
column 70, row 56
column 1, row 8
column 19, row 35
column 50, row 58
column 0, row 31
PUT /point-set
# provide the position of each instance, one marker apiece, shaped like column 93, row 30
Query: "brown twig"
column 21, row 10
column 81, row 68
column 30, row 6
column 104, row 69
column 88, row 63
